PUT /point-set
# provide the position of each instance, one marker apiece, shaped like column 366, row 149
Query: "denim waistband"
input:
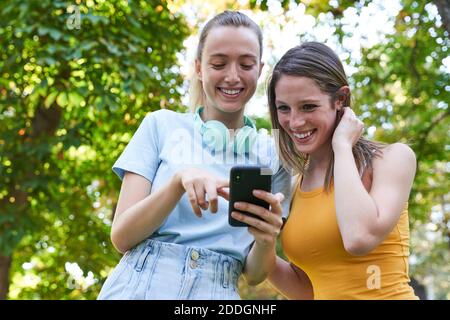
column 218, row 267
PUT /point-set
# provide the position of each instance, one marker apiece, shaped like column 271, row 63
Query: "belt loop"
column 147, row 249
column 226, row 274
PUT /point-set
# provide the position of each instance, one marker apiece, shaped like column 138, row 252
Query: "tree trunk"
column 5, row 265
column 444, row 11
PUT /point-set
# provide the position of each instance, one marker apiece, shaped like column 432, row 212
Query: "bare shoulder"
column 399, row 152
column 397, row 157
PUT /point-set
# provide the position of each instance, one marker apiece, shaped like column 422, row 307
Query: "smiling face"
column 229, row 68
column 306, row 113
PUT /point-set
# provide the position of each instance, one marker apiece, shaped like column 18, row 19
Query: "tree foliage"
column 75, row 81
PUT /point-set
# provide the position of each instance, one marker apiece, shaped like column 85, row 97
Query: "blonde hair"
column 226, row 18
column 316, row 61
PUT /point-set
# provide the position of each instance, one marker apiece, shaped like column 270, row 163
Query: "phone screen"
column 243, row 180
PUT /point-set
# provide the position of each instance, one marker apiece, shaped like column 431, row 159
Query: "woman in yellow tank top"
column 347, row 235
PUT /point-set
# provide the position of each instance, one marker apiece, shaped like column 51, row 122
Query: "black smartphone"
column 243, row 180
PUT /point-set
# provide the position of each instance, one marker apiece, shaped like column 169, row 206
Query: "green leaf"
column 49, row 60
column 94, row 19
column 52, row 48
column 88, row 45
column 75, row 99
column 55, row 34
column 139, row 86
column 42, row 30
column 62, row 99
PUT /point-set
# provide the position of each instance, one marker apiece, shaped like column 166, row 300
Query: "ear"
column 343, row 95
column 198, row 69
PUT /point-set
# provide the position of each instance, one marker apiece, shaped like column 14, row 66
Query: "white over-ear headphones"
column 217, row 136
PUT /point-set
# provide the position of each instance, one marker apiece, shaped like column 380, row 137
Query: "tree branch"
column 423, row 134
column 444, row 11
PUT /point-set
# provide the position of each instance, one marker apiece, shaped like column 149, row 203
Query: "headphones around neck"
column 217, row 136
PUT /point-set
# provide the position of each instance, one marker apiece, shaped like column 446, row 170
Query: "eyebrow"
column 299, row 102
column 221, row 55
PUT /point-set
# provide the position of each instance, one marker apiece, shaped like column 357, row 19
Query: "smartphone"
column 243, row 180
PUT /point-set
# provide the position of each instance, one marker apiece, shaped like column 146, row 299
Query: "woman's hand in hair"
column 199, row 183
column 348, row 131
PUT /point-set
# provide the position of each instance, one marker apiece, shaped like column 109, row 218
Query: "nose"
column 232, row 75
column 297, row 120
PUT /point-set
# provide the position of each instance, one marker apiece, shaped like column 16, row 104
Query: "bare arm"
column 139, row 213
column 259, row 263
column 366, row 218
column 261, row 258
column 290, row 281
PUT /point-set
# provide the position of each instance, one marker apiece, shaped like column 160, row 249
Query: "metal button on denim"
column 194, row 255
column 193, row 264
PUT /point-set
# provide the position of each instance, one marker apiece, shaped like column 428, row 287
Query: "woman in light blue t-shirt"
column 171, row 219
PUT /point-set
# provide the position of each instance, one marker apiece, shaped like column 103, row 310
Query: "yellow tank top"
column 312, row 241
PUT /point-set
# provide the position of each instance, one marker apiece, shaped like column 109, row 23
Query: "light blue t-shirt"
column 167, row 142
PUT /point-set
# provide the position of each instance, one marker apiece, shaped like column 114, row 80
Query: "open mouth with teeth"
column 231, row 93
column 305, row 135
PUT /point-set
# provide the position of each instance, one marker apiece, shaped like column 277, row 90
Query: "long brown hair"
column 226, row 18
column 318, row 62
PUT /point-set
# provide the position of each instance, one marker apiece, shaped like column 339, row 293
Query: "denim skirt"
column 155, row 270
